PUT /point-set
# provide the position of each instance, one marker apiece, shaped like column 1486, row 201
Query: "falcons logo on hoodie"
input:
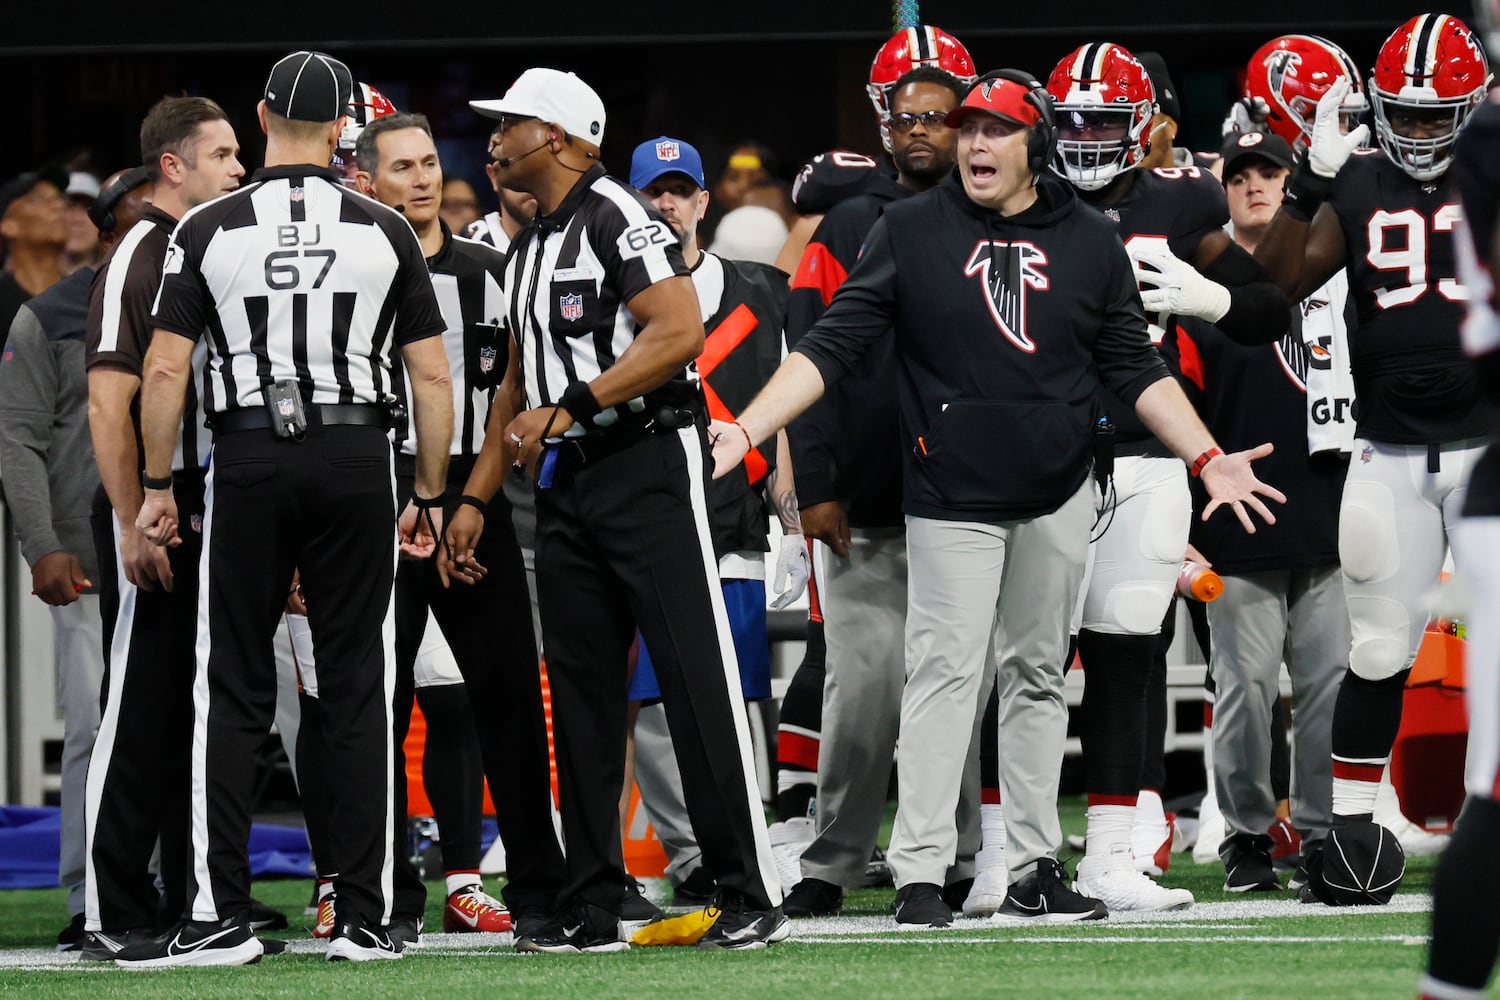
column 1008, row 269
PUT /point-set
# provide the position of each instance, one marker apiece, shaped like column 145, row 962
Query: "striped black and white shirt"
column 489, row 231
column 568, row 280
column 297, row 277
column 466, row 276
column 119, row 324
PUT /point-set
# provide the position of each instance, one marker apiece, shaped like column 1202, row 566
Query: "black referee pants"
column 488, row 627
column 622, row 542
column 137, row 786
column 325, row 506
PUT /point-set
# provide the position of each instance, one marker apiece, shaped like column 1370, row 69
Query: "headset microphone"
column 506, row 161
column 400, row 208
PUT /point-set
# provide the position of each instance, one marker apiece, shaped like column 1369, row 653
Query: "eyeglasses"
column 905, row 121
column 508, row 122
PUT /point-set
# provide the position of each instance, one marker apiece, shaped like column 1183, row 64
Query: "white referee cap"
column 553, row 96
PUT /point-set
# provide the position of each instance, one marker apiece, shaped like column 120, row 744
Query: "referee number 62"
column 637, row 240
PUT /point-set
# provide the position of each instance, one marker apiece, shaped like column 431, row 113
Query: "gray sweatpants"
column 1013, row 585
column 864, row 602
column 1260, row 620
column 78, row 646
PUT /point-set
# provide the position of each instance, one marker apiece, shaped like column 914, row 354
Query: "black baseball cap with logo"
column 309, row 87
column 1242, row 146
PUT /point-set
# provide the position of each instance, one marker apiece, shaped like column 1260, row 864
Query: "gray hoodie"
column 46, row 456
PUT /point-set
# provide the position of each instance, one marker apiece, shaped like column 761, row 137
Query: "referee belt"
column 257, row 419
column 605, row 441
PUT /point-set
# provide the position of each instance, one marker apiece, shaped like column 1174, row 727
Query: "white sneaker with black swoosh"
column 195, row 942
column 1043, row 897
column 352, row 941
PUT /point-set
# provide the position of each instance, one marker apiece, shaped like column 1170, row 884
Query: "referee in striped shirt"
column 606, row 322
column 307, row 290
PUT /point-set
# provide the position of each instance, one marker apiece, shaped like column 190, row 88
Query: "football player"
column 366, row 105
column 1390, row 220
column 1171, row 220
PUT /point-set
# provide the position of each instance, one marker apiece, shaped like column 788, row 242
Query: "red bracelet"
column 749, row 445
column 1202, row 460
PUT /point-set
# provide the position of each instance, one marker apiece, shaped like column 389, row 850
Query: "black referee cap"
column 1359, row 864
column 309, row 87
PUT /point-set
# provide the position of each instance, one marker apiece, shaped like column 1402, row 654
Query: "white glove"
column 1330, row 147
column 1174, row 287
column 1248, row 114
column 790, row 578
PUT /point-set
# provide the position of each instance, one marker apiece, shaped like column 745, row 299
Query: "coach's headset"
column 102, row 211
column 1041, row 143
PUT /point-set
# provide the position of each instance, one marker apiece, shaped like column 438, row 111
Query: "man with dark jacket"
column 1010, row 303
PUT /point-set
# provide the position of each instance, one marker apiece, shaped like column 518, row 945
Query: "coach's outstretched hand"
column 1230, row 480
column 730, row 445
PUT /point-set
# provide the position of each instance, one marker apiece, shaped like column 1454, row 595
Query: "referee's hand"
column 158, row 518
column 456, row 561
column 419, row 531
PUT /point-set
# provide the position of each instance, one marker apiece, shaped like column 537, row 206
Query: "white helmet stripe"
column 1423, row 52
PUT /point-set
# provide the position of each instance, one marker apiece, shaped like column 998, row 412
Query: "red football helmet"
column 1101, row 91
column 922, row 45
column 365, row 105
column 1430, row 75
column 1290, row 73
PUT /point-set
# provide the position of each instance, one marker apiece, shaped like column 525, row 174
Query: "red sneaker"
column 472, row 910
column 324, row 926
column 1287, row 841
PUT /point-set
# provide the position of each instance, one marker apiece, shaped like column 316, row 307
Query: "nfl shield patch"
column 571, row 306
column 285, row 407
column 668, row 150
column 486, row 359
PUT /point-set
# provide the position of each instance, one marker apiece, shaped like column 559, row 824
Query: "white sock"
column 992, row 826
column 1109, row 829
column 1149, row 810
column 463, row 880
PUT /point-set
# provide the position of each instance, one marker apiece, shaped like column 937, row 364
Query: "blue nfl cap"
column 664, row 155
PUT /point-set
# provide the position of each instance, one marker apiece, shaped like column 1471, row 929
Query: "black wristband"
column 1305, row 192
column 430, row 503
column 578, row 399
column 153, row 483
column 472, row 501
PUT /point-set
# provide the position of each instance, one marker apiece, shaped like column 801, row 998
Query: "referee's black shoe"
column 102, row 946
column 813, row 897
column 352, row 941
column 195, row 942
column 739, row 928
column 581, row 928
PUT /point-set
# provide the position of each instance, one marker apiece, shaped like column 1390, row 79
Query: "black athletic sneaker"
column 636, row 911
column 70, row 938
column 954, row 893
column 1044, row 897
column 527, row 920
column 812, row 897
column 406, row 932
column 696, row 892
column 878, row 872
column 98, row 946
column 1247, row 864
column 921, row 905
column 352, row 941
column 195, row 942
column 583, row 927
column 739, row 928
column 264, row 917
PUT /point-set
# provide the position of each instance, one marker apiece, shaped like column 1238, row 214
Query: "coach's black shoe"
column 739, row 928
column 921, row 905
column 878, row 872
column 70, row 938
column 1247, row 864
column 264, row 917
column 406, row 932
column 352, row 941
column 636, row 911
column 954, row 893
column 99, row 946
column 195, row 942
column 812, row 897
column 1044, row 897
column 696, row 892
column 581, row 928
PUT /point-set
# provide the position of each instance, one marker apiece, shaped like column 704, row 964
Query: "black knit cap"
column 309, row 87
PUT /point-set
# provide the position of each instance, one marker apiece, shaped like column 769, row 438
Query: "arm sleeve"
column 28, row 391
column 638, row 249
column 183, row 301
column 1127, row 362
column 1259, row 312
column 862, row 311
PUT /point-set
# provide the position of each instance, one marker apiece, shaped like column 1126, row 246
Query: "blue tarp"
column 29, row 848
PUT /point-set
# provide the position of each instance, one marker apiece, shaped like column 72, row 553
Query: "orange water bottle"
column 1197, row 582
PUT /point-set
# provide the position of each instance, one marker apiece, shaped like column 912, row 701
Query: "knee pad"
column 1164, row 532
column 1135, row 607
column 1382, row 648
column 435, row 665
column 1368, row 547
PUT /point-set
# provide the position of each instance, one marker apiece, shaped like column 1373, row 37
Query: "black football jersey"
column 1180, row 205
column 1411, row 377
column 836, row 176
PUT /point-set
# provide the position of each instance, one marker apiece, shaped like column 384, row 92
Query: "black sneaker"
column 921, row 905
column 195, row 942
column 266, row 918
column 1247, row 864
column 272, row 946
column 695, row 893
column 98, row 946
column 812, row 897
column 954, row 893
column 70, row 938
column 1044, row 897
column 352, row 941
column 582, row 928
column 636, row 911
column 406, row 932
column 878, row 872
column 527, row 921
column 739, row 928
